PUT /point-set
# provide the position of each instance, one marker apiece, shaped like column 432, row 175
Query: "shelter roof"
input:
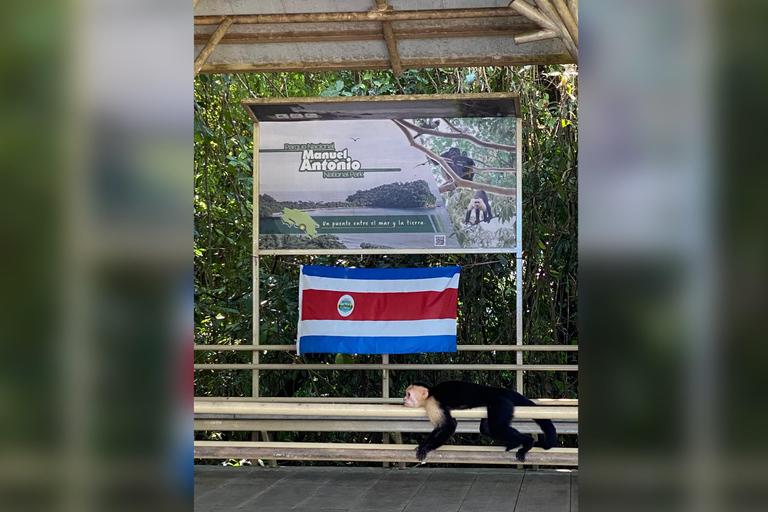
column 321, row 35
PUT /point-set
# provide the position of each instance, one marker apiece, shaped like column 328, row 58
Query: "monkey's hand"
column 421, row 452
column 520, row 455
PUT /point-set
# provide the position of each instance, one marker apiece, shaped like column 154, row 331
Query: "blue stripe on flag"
column 379, row 273
column 377, row 344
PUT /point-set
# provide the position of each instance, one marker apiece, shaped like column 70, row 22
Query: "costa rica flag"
column 377, row 310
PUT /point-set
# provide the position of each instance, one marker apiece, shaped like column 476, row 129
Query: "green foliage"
column 414, row 194
column 223, row 239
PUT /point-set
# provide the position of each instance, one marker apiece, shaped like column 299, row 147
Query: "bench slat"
column 366, row 410
column 378, row 452
column 572, row 402
column 355, row 425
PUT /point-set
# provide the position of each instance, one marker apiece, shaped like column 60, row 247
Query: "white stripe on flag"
column 440, row 327
column 436, row 284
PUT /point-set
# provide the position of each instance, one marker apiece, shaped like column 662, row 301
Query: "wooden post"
column 568, row 21
column 550, row 12
column 399, row 440
column 573, row 6
column 255, row 338
column 202, row 58
column 519, row 251
column 255, row 334
column 385, row 394
column 268, row 439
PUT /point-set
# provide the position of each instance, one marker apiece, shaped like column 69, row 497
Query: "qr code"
column 439, row 240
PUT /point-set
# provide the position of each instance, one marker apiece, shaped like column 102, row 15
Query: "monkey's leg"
column 497, row 427
column 437, row 437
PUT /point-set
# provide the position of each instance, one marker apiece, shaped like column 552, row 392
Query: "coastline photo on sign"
column 420, row 184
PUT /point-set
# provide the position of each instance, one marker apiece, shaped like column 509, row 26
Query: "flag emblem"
column 346, row 305
column 377, row 311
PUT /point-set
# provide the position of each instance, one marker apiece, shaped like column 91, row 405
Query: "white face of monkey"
column 415, row 396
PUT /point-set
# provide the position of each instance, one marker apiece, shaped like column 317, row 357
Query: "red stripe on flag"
column 323, row 305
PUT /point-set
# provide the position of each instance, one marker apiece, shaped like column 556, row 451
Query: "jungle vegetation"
column 223, row 243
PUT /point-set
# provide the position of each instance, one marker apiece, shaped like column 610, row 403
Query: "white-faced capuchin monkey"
column 479, row 204
column 440, row 399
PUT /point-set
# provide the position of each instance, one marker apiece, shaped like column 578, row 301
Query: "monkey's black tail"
column 550, row 434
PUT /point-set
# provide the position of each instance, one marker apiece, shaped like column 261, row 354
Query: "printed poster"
column 419, row 184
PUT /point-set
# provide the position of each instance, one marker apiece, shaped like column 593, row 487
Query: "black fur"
column 459, row 162
column 500, row 402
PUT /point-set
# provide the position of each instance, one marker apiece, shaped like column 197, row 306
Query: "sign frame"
column 262, row 110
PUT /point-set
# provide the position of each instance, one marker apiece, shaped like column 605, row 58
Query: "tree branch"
column 446, row 121
column 456, row 182
column 460, row 135
column 448, row 173
column 498, row 169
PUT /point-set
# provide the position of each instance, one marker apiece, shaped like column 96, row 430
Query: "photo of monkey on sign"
column 480, row 206
column 473, row 162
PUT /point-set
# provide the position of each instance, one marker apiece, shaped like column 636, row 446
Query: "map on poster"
column 428, row 183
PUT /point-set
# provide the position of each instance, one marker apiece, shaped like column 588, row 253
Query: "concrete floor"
column 419, row 489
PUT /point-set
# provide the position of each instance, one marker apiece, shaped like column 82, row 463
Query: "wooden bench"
column 385, row 415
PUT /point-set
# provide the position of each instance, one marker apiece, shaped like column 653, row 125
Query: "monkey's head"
column 415, row 396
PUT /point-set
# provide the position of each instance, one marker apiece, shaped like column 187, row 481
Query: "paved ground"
column 422, row 489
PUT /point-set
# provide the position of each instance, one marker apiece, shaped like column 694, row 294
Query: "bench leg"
column 266, row 438
column 399, row 440
column 385, row 440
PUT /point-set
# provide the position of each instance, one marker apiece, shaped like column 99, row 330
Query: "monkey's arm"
column 437, row 438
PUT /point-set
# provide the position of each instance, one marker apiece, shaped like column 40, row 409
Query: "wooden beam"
column 373, row 34
column 420, row 63
column 202, row 58
column 549, row 402
column 568, row 21
column 394, row 55
column 377, row 366
column 548, row 19
column 533, row 14
column 389, row 37
column 550, row 12
column 461, row 348
column 573, row 6
column 330, row 17
column 364, row 452
column 392, row 411
column 535, row 36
